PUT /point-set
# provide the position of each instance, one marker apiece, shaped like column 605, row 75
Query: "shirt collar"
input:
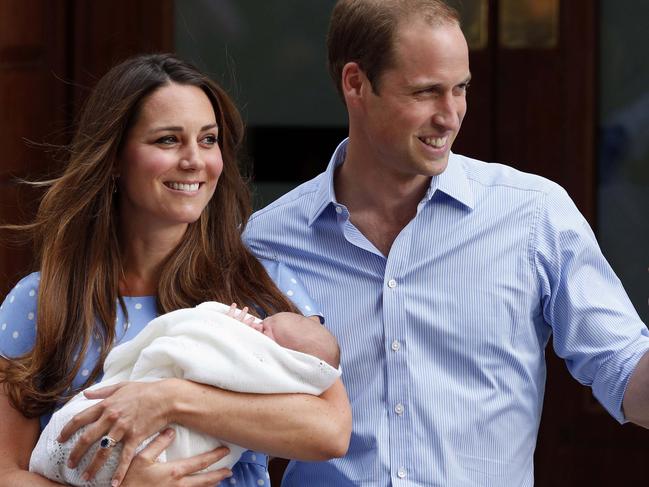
column 452, row 182
column 325, row 193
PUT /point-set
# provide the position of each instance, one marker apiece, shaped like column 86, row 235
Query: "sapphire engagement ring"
column 107, row 442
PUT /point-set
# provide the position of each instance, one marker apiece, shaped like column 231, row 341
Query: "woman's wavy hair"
column 76, row 232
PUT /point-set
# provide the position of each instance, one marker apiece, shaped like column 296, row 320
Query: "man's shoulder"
column 496, row 175
column 298, row 200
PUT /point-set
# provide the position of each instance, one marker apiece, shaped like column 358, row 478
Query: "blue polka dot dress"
column 18, row 325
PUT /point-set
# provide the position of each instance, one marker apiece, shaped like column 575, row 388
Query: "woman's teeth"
column 184, row 186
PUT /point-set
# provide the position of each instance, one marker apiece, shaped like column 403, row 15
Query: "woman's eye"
column 209, row 139
column 167, row 140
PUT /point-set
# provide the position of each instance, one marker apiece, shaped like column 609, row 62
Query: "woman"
column 136, row 226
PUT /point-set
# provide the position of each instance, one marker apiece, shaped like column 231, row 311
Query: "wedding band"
column 107, row 442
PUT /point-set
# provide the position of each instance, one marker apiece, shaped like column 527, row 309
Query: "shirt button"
column 392, row 283
column 399, row 409
column 339, row 210
column 401, row 473
column 396, row 345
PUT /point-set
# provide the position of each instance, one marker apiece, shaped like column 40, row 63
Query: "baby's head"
column 302, row 334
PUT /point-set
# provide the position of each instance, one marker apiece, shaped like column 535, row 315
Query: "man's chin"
column 437, row 166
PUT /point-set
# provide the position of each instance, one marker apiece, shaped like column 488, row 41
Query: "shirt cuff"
column 611, row 382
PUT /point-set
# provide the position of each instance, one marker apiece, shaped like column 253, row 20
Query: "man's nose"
column 447, row 112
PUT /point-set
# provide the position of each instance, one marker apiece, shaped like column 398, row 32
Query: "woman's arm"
column 18, row 435
column 299, row 426
column 318, row 428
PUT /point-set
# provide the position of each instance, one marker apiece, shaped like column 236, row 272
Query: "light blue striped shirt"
column 443, row 341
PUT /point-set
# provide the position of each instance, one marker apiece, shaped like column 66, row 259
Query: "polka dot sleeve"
column 18, row 318
column 289, row 283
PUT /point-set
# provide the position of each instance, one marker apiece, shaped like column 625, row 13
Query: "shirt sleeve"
column 18, row 318
column 289, row 283
column 596, row 329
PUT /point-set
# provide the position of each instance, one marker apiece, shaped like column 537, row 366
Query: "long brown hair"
column 76, row 235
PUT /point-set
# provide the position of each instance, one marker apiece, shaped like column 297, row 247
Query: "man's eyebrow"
column 431, row 85
column 424, row 85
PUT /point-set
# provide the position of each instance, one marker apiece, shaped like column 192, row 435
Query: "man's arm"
column 636, row 397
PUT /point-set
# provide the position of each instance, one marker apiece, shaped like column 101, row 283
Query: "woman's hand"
column 129, row 413
column 144, row 469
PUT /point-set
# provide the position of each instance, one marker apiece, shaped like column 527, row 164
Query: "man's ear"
column 354, row 82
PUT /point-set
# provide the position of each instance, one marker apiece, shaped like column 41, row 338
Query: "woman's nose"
column 190, row 158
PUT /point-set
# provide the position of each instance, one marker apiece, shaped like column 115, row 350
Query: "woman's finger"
column 98, row 461
column 88, row 437
column 191, row 465
column 151, row 452
column 116, row 434
column 103, row 392
column 159, row 444
column 88, row 416
column 208, row 479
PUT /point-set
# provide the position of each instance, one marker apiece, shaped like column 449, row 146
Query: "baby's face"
column 284, row 328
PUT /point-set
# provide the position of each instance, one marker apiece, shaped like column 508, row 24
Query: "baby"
column 293, row 331
column 213, row 344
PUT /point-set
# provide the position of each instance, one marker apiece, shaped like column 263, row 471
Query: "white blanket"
column 201, row 344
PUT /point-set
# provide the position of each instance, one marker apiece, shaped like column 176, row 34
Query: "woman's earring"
column 114, row 182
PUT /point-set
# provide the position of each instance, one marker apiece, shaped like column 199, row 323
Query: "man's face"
column 414, row 114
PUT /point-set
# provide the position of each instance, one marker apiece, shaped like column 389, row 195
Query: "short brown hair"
column 363, row 31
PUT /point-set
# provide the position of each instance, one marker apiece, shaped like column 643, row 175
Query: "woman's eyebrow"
column 176, row 128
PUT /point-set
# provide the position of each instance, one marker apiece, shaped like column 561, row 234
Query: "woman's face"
column 170, row 162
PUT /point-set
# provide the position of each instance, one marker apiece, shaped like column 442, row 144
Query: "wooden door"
column 51, row 54
column 32, row 106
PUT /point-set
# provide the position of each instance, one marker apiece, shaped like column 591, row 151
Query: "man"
column 442, row 277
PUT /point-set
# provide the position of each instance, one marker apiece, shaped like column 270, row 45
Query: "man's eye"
column 427, row 92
